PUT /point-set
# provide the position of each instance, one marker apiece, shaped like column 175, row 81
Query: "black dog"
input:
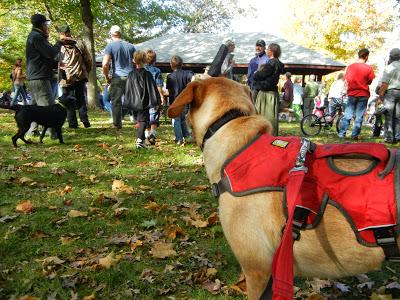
column 52, row 116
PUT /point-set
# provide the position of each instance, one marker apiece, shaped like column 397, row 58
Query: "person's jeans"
column 19, row 91
column 180, row 127
column 106, row 100
column 392, row 116
column 117, row 90
column 355, row 106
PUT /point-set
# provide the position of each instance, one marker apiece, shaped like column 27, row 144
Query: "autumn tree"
column 340, row 27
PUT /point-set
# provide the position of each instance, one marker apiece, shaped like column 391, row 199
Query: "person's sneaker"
column 86, row 124
column 36, row 133
column 141, row 145
column 152, row 139
column 180, row 143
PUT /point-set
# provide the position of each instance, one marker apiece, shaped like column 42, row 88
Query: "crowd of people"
column 135, row 86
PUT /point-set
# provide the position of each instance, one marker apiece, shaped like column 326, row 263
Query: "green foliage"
column 341, row 27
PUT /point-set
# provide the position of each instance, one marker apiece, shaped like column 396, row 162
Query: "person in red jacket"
column 358, row 76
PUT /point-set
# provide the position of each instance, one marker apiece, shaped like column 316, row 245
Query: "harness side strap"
column 220, row 187
column 386, row 238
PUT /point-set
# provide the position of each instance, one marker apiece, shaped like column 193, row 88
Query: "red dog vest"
column 368, row 199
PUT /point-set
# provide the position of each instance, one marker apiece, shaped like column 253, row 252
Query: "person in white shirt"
column 336, row 93
column 298, row 94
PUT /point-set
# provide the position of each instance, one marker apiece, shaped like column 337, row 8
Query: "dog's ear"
column 185, row 97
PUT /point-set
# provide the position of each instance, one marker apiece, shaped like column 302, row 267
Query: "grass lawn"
column 97, row 219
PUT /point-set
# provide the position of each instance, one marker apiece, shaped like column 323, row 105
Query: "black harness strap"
column 386, row 238
column 229, row 116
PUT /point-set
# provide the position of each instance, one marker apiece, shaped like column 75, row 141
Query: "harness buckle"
column 299, row 221
column 386, row 238
column 215, row 190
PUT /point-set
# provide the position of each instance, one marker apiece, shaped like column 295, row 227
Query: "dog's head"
column 68, row 101
column 209, row 100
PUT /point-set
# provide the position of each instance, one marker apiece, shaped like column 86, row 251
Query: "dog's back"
column 48, row 116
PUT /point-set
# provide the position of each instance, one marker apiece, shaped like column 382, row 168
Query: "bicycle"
column 311, row 125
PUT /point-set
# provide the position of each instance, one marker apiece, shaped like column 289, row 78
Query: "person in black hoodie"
column 266, row 83
column 41, row 59
column 141, row 94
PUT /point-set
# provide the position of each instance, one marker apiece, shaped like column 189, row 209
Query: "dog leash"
column 281, row 283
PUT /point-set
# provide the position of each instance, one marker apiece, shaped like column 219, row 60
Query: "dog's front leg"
column 256, row 283
column 42, row 134
column 59, row 134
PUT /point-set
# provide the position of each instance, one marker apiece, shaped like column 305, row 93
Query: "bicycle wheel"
column 339, row 119
column 310, row 125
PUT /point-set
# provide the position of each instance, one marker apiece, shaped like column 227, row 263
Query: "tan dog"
column 253, row 224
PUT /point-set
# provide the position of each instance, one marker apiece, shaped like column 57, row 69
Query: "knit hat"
column 38, row 19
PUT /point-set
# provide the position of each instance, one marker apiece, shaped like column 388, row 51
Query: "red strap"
column 282, row 264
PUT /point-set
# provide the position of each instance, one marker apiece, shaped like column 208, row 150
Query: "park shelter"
column 198, row 50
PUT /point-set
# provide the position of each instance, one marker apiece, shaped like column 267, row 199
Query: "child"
column 317, row 104
column 141, row 94
column 154, row 113
column 176, row 82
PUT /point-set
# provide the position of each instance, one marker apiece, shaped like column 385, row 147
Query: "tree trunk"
column 88, row 37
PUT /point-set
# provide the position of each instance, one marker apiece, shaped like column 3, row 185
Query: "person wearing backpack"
column 74, row 70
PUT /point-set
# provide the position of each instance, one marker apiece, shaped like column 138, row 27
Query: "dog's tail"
column 11, row 107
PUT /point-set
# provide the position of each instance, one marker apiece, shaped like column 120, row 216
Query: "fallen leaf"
column 104, row 146
column 25, row 207
column 76, row 213
column 25, row 180
column 211, row 272
column 200, row 188
column 213, row 219
column 40, row 235
column 57, row 171
column 119, row 186
column 342, row 287
column 39, row 164
column 136, row 244
column 214, row 287
column 67, row 189
column 199, row 223
column 108, row 261
column 68, row 239
column 120, row 211
column 90, row 297
column 28, row 297
column 93, row 178
column 393, row 285
column 240, row 285
column 162, row 250
column 52, row 260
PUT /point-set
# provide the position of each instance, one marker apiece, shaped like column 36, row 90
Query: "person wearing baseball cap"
column 260, row 58
column 120, row 54
column 389, row 93
column 41, row 58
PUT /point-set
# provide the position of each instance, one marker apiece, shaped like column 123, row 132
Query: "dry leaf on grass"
column 25, row 207
column 120, row 211
column 90, row 297
column 67, row 189
column 109, row 261
column 104, row 146
column 38, row 164
column 214, row 287
column 76, row 213
column 162, row 250
column 28, row 297
column 57, row 171
column 52, row 260
column 93, row 179
column 136, row 244
column 25, row 180
column 200, row 188
column 240, row 285
column 119, row 186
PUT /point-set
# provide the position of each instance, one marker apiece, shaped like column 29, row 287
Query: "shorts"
column 154, row 117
